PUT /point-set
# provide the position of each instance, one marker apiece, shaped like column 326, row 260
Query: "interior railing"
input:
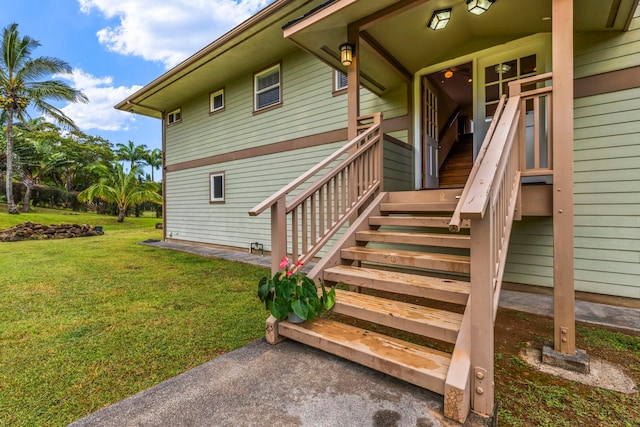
column 448, row 136
column 329, row 196
column 490, row 200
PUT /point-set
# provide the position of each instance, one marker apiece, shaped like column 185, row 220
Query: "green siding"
column 191, row 217
column 308, row 108
column 607, row 51
column 530, row 256
column 607, row 193
column 398, row 167
column 607, row 182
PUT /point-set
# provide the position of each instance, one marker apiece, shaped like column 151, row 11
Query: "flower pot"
column 294, row 318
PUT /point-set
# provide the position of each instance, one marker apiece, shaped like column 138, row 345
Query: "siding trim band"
column 612, row 81
column 398, row 123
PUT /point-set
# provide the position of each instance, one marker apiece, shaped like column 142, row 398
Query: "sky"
column 116, row 47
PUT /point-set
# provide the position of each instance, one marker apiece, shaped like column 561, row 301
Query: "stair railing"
column 333, row 195
column 491, row 201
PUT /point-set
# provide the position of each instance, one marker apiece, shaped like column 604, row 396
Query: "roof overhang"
column 395, row 32
column 253, row 43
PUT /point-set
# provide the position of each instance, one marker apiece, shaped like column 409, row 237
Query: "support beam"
column 353, row 83
column 562, row 123
column 385, row 56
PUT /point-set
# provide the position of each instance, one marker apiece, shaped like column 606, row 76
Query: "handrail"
column 490, row 201
column 446, row 138
column 261, row 207
column 454, row 224
column 301, row 227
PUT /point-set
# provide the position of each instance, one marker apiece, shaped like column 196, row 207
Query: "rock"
column 31, row 231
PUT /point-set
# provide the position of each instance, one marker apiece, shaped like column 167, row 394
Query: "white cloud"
column 99, row 112
column 168, row 31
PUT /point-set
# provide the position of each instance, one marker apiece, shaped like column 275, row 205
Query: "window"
column 267, row 88
column 498, row 76
column 216, row 101
column 174, row 117
column 340, row 82
column 216, row 187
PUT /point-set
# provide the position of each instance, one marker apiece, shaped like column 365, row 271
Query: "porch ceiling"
column 399, row 29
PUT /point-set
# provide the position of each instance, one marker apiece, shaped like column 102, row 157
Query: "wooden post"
column 278, row 234
column 562, row 123
column 353, row 84
column 481, row 304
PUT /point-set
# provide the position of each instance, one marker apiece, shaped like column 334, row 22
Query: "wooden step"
column 426, row 321
column 434, row 195
column 440, row 289
column 413, row 207
column 442, row 262
column 455, row 172
column 415, row 364
column 424, row 239
column 414, row 221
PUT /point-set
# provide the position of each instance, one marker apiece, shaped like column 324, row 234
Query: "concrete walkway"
column 264, row 385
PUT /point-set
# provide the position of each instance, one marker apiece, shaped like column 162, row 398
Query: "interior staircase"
column 402, row 273
column 456, row 167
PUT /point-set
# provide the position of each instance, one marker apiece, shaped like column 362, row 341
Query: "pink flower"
column 289, row 273
column 284, row 262
column 298, row 264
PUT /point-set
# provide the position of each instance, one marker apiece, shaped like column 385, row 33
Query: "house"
column 348, row 129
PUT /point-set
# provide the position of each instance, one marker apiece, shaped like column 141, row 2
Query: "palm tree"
column 136, row 154
column 154, row 159
column 122, row 188
column 20, row 87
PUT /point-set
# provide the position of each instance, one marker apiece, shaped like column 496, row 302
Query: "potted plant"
column 291, row 294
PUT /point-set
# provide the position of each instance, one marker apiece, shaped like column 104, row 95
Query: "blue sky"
column 117, row 46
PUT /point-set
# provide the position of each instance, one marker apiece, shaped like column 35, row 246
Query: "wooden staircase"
column 403, row 272
column 457, row 166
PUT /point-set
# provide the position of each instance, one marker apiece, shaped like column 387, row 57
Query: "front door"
column 429, row 135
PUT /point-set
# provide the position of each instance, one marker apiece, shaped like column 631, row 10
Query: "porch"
column 525, row 137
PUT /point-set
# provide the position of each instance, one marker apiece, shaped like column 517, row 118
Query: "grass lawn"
column 87, row 322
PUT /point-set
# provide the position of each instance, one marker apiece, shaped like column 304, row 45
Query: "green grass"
column 87, row 322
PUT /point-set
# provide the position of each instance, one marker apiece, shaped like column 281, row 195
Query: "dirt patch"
column 603, row 374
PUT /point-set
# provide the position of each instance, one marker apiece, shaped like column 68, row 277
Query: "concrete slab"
column 284, row 385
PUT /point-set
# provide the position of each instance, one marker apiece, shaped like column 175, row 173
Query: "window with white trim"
column 216, row 187
column 216, row 101
column 174, row 116
column 267, row 87
column 340, row 81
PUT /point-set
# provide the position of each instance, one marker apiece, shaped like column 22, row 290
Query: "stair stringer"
column 457, row 387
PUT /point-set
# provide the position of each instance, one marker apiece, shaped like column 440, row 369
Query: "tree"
column 20, row 88
column 136, row 154
column 40, row 159
column 154, row 159
column 125, row 189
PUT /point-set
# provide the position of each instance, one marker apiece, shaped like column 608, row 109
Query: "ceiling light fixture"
column 502, row 68
column 440, row 19
column 478, row 7
column 448, row 74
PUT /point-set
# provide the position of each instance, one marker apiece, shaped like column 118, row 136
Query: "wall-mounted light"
column 478, row 7
column 440, row 19
column 347, row 53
